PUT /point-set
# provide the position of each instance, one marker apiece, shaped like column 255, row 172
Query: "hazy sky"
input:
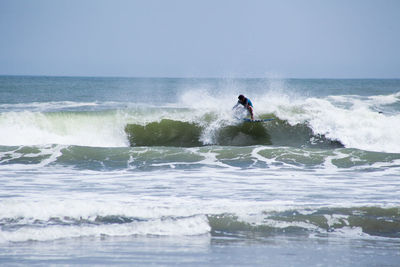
column 202, row 38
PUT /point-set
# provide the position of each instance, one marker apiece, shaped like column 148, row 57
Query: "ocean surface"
column 140, row 171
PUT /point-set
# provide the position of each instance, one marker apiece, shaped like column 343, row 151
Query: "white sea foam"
column 37, row 128
column 356, row 126
column 196, row 225
column 333, row 219
column 49, row 154
column 385, row 99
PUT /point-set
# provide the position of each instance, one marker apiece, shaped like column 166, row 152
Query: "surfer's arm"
column 236, row 105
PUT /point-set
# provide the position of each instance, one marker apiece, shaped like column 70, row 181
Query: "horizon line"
column 195, row 77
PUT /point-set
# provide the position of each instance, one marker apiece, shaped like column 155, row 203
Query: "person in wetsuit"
column 246, row 103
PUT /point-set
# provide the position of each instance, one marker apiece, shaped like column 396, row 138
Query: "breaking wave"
column 351, row 222
column 330, row 122
column 191, row 134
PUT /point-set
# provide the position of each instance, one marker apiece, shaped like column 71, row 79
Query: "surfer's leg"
column 250, row 109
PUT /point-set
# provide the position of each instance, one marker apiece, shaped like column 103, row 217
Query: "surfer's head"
column 241, row 97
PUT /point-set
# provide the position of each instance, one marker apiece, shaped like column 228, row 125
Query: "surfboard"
column 249, row 120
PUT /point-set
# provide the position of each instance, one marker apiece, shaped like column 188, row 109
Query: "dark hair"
column 241, row 97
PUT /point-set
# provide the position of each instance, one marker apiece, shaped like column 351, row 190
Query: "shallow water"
column 203, row 250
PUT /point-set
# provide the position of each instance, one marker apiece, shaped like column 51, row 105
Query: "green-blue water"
column 162, row 168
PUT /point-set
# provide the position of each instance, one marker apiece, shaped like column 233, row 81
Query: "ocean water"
column 142, row 171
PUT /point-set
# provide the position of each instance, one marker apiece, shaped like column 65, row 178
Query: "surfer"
column 246, row 103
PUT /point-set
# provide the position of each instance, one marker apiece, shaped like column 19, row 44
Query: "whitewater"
column 163, row 167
